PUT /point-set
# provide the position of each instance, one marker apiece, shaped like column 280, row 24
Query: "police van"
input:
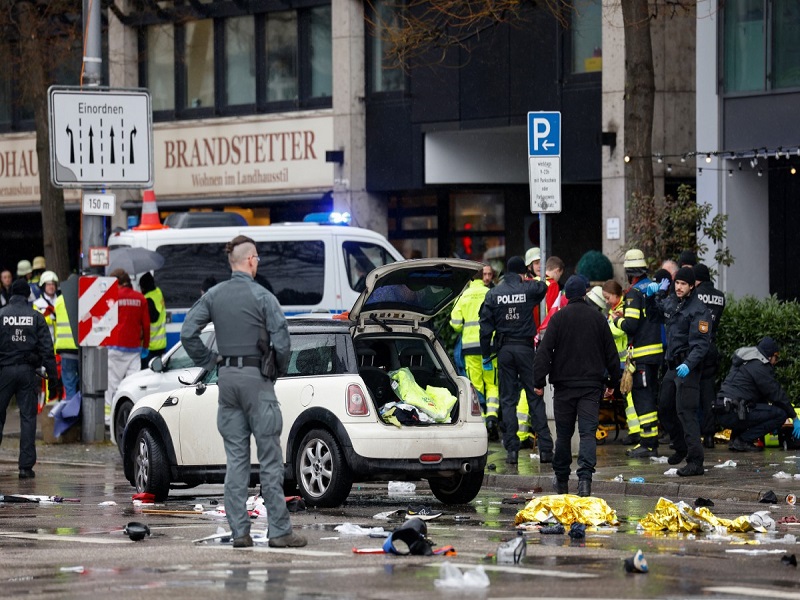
column 310, row 267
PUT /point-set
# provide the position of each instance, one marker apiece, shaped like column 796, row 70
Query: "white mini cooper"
column 339, row 381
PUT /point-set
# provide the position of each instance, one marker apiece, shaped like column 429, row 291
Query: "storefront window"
column 414, row 225
column 477, row 225
column 385, row 77
column 321, row 52
column 281, row 51
column 199, row 57
column 161, row 66
column 240, row 61
column 587, row 36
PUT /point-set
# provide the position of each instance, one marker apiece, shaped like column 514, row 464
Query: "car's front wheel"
column 120, row 420
column 150, row 468
column 459, row 489
column 322, row 472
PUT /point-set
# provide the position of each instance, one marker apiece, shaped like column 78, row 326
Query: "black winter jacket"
column 752, row 379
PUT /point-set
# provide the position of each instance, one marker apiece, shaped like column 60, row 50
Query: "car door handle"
column 170, row 401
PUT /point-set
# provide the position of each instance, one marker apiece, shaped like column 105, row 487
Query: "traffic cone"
column 150, row 218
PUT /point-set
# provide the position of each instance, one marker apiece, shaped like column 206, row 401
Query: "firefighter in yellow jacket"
column 465, row 319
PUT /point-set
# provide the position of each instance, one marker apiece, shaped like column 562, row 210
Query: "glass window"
column 240, row 61
column 360, row 258
column 199, row 57
column 281, row 51
column 6, row 99
column 745, row 46
column 785, row 48
column 185, row 268
column 161, row 66
column 179, row 359
column 321, row 53
column 314, row 355
column 293, row 271
column 385, row 76
column 587, row 36
column 477, row 221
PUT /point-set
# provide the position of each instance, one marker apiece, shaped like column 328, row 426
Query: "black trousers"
column 677, row 410
column 582, row 404
column 20, row 380
column 515, row 367
column 761, row 420
column 708, row 375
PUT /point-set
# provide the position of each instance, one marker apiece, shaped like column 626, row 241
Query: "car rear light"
column 430, row 458
column 356, row 401
column 475, row 406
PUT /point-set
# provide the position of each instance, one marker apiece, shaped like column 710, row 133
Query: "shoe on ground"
column 243, row 541
column 526, row 444
column 664, row 439
column 676, row 458
column 26, row 474
column 584, row 488
column 641, row 452
column 545, row 456
column 560, row 486
column 492, row 429
column 426, row 513
column 631, row 440
column 290, row 540
column 691, row 469
column 512, row 457
column 739, row 445
column 708, row 441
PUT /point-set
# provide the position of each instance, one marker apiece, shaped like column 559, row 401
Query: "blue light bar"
column 331, row 218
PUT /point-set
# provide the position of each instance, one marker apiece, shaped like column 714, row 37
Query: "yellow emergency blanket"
column 434, row 402
column 681, row 517
column 568, row 509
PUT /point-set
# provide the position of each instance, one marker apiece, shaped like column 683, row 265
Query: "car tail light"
column 356, row 401
column 475, row 406
column 430, row 458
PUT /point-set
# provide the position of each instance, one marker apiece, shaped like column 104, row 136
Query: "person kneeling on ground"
column 751, row 402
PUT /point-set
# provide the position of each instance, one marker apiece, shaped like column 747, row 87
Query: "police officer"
column 243, row 312
column 644, row 337
column 688, row 324
column 751, row 401
column 507, row 313
column 25, row 345
column 715, row 301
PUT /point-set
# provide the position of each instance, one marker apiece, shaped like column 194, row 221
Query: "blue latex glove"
column 796, row 428
column 664, row 285
column 651, row 288
column 487, row 364
column 145, row 352
column 682, row 371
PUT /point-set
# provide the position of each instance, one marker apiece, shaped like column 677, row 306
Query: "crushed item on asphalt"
column 351, row 529
column 637, row 563
column 768, row 497
column 703, row 502
column 789, row 560
column 451, row 578
column 577, row 531
column 401, row 487
column 762, row 521
column 390, row 514
column 728, row 464
column 513, row 550
column 136, row 531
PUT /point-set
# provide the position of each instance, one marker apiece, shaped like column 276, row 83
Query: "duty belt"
column 241, row 361
column 674, row 363
column 518, row 341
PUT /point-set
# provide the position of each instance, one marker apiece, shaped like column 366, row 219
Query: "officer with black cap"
column 688, row 325
column 751, row 402
column 715, row 301
column 25, row 345
column 507, row 313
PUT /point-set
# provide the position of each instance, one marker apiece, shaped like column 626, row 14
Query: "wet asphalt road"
column 77, row 549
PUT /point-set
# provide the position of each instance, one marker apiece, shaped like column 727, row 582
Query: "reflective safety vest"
column 465, row 316
column 620, row 337
column 64, row 339
column 158, row 328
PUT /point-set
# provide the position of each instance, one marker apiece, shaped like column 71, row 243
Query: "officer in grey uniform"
column 25, row 345
column 241, row 310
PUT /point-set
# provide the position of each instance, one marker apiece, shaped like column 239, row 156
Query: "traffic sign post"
column 100, row 138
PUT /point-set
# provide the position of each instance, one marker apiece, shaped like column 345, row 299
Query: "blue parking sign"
column 544, row 134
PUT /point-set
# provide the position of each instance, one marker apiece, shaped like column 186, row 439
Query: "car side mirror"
column 157, row 365
column 200, row 389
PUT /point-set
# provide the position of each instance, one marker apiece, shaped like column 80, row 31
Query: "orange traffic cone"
column 150, row 218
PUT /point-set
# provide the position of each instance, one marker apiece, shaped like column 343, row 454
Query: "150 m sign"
column 100, row 138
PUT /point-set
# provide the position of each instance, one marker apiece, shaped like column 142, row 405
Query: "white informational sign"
column 99, row 204
column 101, row 138
column 612, row 228
column 544, row 161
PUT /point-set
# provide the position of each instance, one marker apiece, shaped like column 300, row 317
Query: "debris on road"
column 567, row 509
column 681, row 517
column 637, row 563
column 451, row 578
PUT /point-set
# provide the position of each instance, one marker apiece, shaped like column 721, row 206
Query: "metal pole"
column 543, row 261
column 94, row 360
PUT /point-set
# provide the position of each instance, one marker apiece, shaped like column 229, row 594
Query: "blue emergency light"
column 330, row 218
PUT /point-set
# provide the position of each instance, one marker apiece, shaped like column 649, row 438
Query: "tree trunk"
column 639, row 98
column 34, row 81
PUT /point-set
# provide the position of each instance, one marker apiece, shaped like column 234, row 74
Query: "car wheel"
column 322, row 473
column 120, row 420
column 459, row 489
column 150, row 469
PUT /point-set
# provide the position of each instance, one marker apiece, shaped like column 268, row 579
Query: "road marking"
column 752, row 592
column 63, row 538
column 525, row 571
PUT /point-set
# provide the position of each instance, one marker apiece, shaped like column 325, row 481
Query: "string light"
column 708, row 158
column 669, row 168
column 730, row 172
column 700, row 172
column 793, row 171
column 740, row 165
column 627, row 158
column 760, row 172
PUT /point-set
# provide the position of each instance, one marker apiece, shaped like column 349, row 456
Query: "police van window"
column 360, row 258
column 185, row 268
column 293, row 271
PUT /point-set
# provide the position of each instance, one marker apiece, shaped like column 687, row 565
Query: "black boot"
column 708, row 441
column 512, row 457
column 676, row 458
column 584, row 488
column 691, row 469
column 560, row 486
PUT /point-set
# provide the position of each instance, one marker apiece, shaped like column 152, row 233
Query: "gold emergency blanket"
column 681, row 517
column 568, row 509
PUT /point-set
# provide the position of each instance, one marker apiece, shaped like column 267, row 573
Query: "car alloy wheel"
column 322, row 473
column 150, row 468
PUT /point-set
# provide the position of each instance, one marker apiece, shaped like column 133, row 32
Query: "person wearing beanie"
column 688, row 326
column 751, row 402
column 687, row 258
column 507, row 329
column 580, row 359
column 714, row 299
column 25, row 345
column 647, row 352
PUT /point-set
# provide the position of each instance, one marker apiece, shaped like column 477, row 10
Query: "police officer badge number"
column 703, row 327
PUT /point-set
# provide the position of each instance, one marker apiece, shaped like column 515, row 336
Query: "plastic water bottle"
column 512, row 551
